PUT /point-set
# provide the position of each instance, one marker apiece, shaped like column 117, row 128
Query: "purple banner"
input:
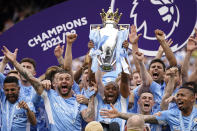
column 38, row 35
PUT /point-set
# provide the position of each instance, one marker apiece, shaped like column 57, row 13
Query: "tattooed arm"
column 115, row 114
column 150, row 119
column 29, row 77
column 89, row 113
column 147, row 118
column 26, row 74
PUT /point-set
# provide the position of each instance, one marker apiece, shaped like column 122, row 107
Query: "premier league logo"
column 176, row 18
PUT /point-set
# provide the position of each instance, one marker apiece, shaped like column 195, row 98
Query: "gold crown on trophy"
column 110, row 15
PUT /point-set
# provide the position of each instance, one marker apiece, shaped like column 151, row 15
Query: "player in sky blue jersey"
column 156, row 66
column 28, row 91
column 110, row 93
column 17, row 111
column 148, row 84
column 146, row 103
column 146, row 94
column 183, row 118
column 60, row 102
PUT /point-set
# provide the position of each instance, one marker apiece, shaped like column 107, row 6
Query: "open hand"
column 9, row 55
column 168, row 42
column 133, row 37
column 58, row 52
column 109, row 113
column 192, row 44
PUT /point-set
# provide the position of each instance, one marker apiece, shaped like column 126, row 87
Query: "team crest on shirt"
column 195, row 120
column 176, row 128
column 17, row 107
column 166, row 15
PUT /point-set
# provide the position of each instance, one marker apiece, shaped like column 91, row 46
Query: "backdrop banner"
column 38, row 35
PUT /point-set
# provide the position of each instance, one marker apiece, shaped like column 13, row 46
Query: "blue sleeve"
column 76, row 88
column 162, row 117
column 99, row 98
column 83, row 107
column 2, row 78
column 88, row 93
column 155, row 88
column 31, row 106
column 134, row 109
column 36, row 99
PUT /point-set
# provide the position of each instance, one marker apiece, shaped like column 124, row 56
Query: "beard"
column 12, row 98
column 64, row 90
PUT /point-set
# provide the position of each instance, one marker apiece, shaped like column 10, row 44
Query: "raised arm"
column 193, row 76
column 68, row 54
column 91, row 74
column 133, row 38
column 89, row 113
column 168, row 52
column 124, row 85
column 26, row 74
column 146, row 78
column 101, row 86
column 58, row 52
column 171, row 73
column 3, row 64
column 191, row 46
column 161, row 51
column 78, row 73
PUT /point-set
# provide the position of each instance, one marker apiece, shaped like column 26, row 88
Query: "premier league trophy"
column 108, row 38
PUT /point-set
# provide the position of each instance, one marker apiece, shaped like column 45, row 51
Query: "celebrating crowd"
column 157, row 98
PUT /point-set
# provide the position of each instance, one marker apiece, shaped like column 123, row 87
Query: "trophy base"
column 106, row 68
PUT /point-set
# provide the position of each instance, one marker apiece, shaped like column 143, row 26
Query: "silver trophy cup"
column 108, row 34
